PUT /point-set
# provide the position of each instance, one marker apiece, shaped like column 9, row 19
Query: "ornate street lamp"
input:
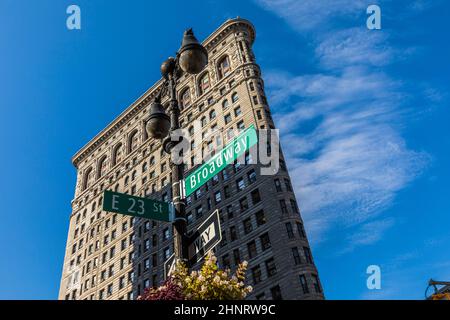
column 191, row 58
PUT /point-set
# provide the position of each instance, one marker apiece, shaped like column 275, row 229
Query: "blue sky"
column 363, row 116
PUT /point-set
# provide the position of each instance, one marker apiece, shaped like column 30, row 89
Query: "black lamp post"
column 191, row 58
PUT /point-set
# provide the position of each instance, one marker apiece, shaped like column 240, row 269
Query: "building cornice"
column 210, row 42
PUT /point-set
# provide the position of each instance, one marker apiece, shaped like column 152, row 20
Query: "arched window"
column 234, row 97
column 102, row 166
column 87, row 178
column 191, row 131
column 185, row 98
column 225, row 104
column 204, row 83
column 133, row 141
column 203, row 120
column 224, row 67
column 152, row 160
column 117, row 154
column 212, row 115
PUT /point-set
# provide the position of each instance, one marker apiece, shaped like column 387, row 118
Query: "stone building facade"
column 112, row 256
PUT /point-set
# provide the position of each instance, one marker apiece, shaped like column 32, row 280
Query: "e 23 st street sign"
column 227, row 155
column 137, row 206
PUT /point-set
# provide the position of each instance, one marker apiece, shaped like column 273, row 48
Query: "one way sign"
column 207, row 236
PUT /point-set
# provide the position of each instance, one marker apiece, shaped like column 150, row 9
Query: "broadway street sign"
column 227, row 155
column 137, row 206
column 206, row 237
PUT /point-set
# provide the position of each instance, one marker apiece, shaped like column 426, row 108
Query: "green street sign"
column 136, row 206
column 217, row 163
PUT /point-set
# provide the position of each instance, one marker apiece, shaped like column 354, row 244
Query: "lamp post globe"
column 158, row 125
column 193, row 57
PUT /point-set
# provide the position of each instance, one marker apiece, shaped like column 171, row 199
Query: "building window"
column 189, row 218
column 260, row 296
column 166, row 253
column 122, row 282
column 218, row 197
column 227, row 191
column 225, row 104
column 204, row 83
column 233, row 233
column 260, row 218
column 265, row 241
column 243, row 203
column 102, row 167
column 230, row 212
column 117, row 154
column 289, row 230
column 146, row 264
column 287, row 183
column 304, row 284
column 294, row 206
column 283, row 206
column 301, row 229
column 88, row 177
column 270, row 267
column 308, row 255
column 251, row 247
column 247, row 226
column 256, row 197
column 226, row 261
column 212, row 115
column 234, row 97
column 237, row 256
column 277, row 185
column 227, row 118
column 256, row 274
column 251, row 175
column 240, row 125
column 166, row 234
column 316, row 283
column 276, row 293
column 224, row 67
column 296, row 255
column 199, row 212
column 203, row 121
column 240, row 184
column 133, row 141
column 185, row 98
column 237, row 111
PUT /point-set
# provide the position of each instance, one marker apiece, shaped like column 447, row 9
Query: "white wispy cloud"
column 345, row 121
column 307, row 15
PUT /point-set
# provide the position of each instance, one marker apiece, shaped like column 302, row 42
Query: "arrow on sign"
column 169, row 266
column 207, row 236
